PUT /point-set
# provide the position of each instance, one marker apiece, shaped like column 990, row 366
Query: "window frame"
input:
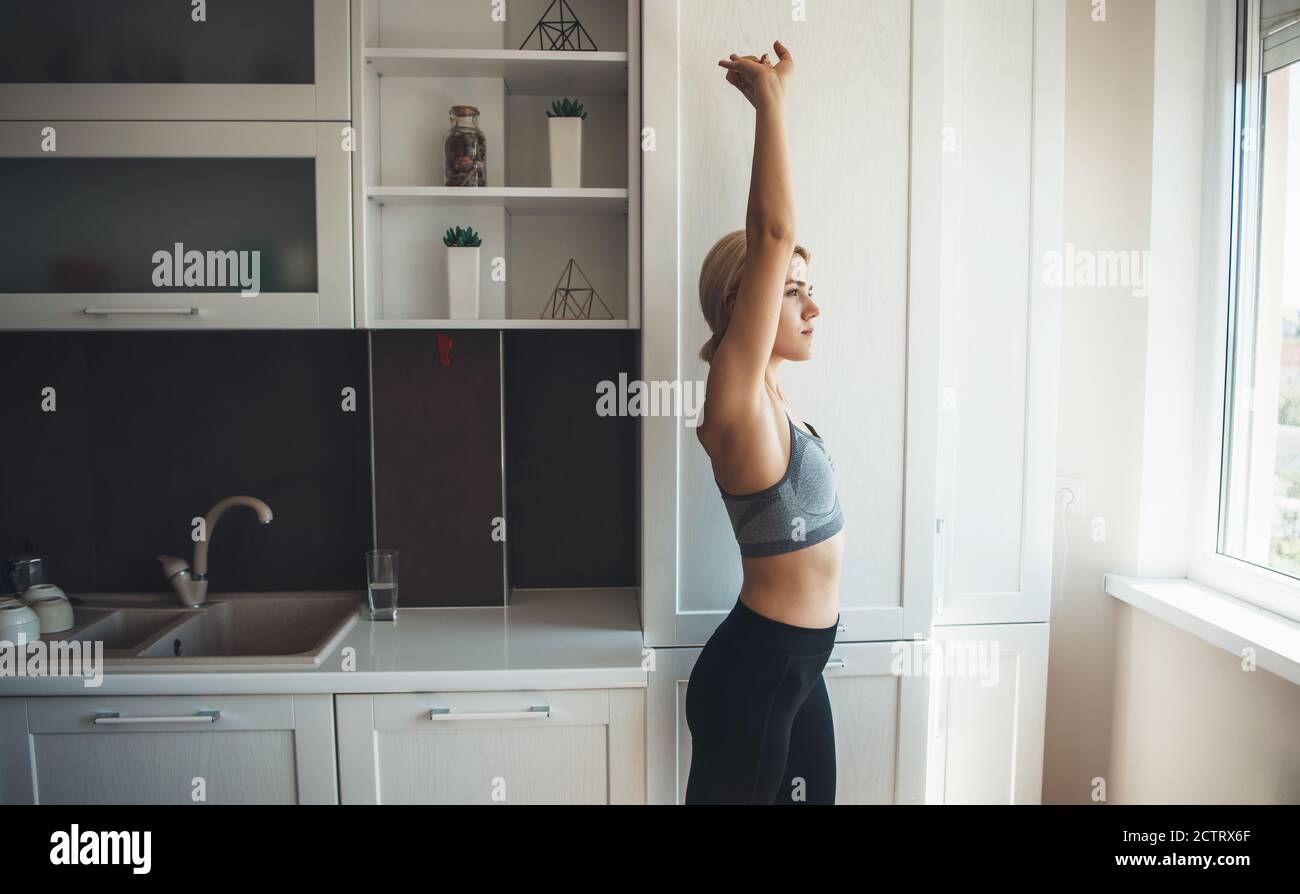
column 1231, row 226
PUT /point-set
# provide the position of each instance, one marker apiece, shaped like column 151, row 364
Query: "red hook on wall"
column 444, row 349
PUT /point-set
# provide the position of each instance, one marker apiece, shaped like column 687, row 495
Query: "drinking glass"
column 381, row 584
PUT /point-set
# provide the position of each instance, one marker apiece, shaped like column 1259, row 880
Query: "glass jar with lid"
column 465, row 149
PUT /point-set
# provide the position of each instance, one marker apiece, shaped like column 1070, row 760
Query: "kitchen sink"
column 122, row 630
column 289, row 629
column 246, row 632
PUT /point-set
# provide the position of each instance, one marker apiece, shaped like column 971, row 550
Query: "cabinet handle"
column 170, row 311
column 837, row 663
column 197, row 717
column 536, row 712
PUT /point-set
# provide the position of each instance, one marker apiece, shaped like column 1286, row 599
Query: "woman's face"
column 794, row 332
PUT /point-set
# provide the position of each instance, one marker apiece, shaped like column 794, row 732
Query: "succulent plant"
column 566, row 108
column 461, row 237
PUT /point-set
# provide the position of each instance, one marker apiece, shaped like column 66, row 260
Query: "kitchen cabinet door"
column 988, row 716
column 246, row 749
column 194, row 225
column 879, row 701
column 548, row 747
column 986, row 207
column 929, row 192
column 165, row 60
column 850, row 163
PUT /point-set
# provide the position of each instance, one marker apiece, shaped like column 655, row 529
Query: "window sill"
column 1216, row 617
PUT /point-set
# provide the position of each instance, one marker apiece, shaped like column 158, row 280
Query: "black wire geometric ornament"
column 559, row 32
column 568, row 302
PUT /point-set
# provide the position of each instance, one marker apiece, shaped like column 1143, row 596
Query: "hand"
column 757, row 78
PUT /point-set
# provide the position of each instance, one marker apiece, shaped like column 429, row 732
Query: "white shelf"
column 499, row 324
column 573, row 72
column 411, row 62
column 515, row 199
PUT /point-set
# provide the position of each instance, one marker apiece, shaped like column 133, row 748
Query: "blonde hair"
column 720, row 275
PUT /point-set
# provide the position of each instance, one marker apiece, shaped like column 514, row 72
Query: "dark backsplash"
column 151, row 429
column 572, row 477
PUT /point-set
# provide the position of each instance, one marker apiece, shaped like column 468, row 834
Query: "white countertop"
column 545, row 639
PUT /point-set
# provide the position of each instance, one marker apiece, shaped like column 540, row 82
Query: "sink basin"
column 247, row 632
column 252, row 630
column 124, row 630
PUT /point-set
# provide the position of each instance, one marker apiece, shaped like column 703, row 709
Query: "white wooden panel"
column 1001, row 187
column 255, row 752
column 17, row 775
column 879, row 708
column 559, row 765
column 242, row 767
column 989, row 710
column 855, row 223
column 627, row 741
column 988, row 105
column 315, row 753
column 589, row 750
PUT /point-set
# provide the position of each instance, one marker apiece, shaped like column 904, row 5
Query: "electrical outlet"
column 1072, row 495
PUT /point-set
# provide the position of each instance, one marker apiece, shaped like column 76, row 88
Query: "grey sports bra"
column 800, row 510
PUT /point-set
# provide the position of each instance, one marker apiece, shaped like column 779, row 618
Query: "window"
column 1259, row 503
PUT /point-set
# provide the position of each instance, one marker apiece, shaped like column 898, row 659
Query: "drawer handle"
column 170, row 311
column 536, row 712
column 198, row 717
column 837, row 663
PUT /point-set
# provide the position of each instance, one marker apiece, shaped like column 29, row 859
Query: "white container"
column 462, row 282
column 19, row 623
column 54, row 613
column 42, row 591
column 566, row 151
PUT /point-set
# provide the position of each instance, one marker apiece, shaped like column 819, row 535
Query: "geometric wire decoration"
column 560, row 31
column 569, row 302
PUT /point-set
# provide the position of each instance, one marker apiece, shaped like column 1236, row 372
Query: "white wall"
column 1160, row 715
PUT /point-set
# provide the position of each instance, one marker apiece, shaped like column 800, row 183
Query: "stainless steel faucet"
column 191, row 583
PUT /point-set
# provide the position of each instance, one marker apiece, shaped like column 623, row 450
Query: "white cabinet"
column 870, row 388
column 247, row 749
column 160, row 60
column 175, row 225
column 929, row 189
column 986, row 205
column 412, row 65
column 547, row 747
column 879, row 704
column 988, row 715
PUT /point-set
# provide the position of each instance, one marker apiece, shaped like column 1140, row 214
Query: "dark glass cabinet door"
column 148, row 225
column 164, row 59
column 122, row 225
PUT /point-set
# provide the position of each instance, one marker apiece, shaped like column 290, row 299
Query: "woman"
column 756, row 704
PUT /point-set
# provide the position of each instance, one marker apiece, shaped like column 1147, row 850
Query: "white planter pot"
column 566, row 151
column 462, row 282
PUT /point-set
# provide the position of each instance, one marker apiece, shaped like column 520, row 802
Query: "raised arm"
column 738, row 365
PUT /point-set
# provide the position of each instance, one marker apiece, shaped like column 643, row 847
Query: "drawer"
column 153, row 713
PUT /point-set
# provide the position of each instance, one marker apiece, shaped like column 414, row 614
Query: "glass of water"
column 381, row 584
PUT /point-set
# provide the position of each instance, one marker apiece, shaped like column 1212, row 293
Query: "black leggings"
column 759, row 716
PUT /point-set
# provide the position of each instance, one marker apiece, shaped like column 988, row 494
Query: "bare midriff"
column 801, row 588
